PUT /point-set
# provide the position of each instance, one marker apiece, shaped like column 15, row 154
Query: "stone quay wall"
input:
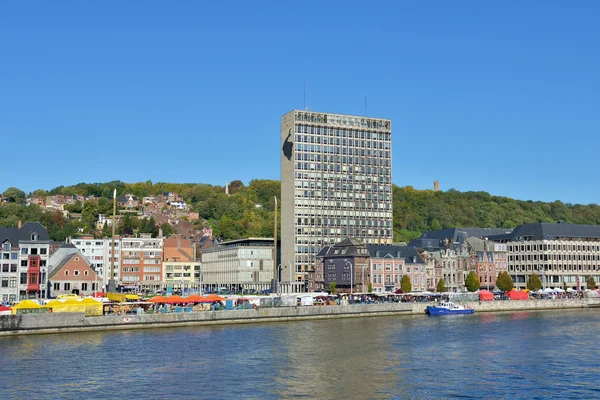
column 78, row 322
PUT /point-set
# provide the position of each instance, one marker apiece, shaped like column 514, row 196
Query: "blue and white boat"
column 448, row 308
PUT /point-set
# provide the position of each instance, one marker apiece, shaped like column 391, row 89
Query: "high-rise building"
column 336, row 182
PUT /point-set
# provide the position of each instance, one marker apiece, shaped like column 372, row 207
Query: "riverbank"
column 77, row 322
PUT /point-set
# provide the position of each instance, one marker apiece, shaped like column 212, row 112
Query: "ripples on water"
column 504, row 355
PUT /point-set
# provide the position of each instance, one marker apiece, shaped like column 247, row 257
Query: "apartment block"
column 336, row 182
column 181, row 270
column 94, row 252
column 141, row 262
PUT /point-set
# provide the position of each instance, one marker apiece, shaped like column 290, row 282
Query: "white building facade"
column 237, row 264
column 560, row 254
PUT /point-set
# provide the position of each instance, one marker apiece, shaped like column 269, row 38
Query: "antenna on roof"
column 305, row 108
column 365, row 104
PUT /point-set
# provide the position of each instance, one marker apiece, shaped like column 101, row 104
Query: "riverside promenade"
column 78, row 322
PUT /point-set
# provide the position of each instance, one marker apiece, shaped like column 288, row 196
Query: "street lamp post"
column 112, row 286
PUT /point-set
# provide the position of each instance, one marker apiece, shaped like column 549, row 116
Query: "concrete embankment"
column 77, row 322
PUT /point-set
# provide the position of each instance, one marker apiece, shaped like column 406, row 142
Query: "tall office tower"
column 336, row 182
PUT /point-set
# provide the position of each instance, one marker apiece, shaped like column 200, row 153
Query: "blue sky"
column 500, row 96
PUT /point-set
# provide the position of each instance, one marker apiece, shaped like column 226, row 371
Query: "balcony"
column 33, row 273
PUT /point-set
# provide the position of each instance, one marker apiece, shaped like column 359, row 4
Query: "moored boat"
column 448, row 308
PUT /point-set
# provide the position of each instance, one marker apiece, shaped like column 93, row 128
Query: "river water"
column 488, row 355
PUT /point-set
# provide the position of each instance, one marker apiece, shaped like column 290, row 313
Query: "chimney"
column 436, row 186
column 20, row 224
column 227, row 188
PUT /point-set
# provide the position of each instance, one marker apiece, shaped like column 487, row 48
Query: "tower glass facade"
column 336, row 182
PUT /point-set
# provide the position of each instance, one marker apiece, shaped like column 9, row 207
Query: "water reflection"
column 547, row 354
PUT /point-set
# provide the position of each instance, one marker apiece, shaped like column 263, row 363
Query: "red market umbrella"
column 194, row 298
column 157, row 299
column 174, row 299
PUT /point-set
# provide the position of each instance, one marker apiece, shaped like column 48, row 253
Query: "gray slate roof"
column 548, row 231
column 350, row 245
column 10, row 234
column 460, row 234
column 410, row 254
column 23, row 234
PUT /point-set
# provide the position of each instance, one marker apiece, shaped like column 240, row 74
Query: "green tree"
column 370, row 287
column 504, row 282
column 590, row 283
column 472, row 282
column 405, row 284
column 167, row 229
column 534, row 282
column 441, row 286
column 14, row 195
column 106, row 231
column 565, row 286
column 128, row 225
column 332, row 288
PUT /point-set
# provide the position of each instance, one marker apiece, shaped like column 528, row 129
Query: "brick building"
column 73, row 274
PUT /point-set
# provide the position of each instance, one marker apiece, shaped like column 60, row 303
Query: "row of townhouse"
column 562, row 255
column 141, row 263
column 23, row 265
column 356, row 266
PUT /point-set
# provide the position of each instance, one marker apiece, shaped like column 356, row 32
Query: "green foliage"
column 441, row 286
column 248, row 211
column 472, row 282
column 14, row 195
column 590, row 283
column 405, row 284
column 534, row 282
column 332, row 287
column 504, row 282
column 565, row 286
column 370, row 287
column 167, row 229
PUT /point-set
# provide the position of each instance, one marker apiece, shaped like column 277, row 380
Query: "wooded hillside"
column 248, row 210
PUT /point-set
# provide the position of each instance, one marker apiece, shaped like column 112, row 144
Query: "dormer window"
column 6, row 246
column 34, row 236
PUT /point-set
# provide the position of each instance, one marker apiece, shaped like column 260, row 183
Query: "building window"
column 24, row 250
column 66, row 273
column 76, row 273
column 86, row 273
column 56, row 286
column 4, row 282
column 67, row 286
column 43, row 251
column 13, row 282
column 84, row 286
column 23, row 263
column 6, row 246
column 23, row 278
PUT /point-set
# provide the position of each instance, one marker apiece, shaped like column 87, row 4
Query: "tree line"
column 247, row 211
